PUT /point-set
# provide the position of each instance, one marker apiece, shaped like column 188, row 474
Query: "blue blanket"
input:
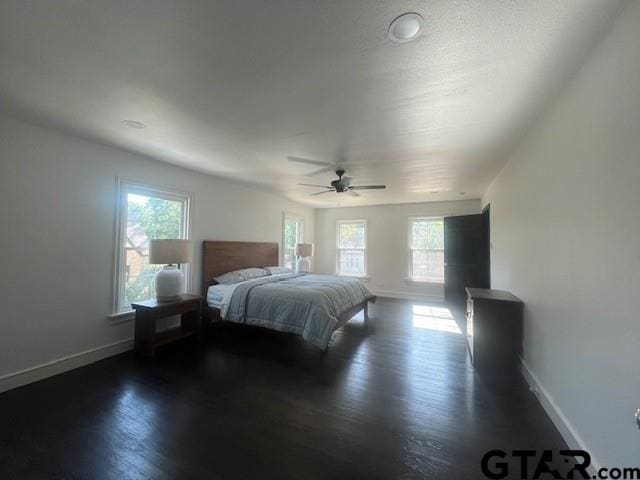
column 305, row 304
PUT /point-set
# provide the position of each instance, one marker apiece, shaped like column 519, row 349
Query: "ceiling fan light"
column 342, row 185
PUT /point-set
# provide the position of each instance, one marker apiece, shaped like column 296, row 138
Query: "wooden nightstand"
column 146, row 337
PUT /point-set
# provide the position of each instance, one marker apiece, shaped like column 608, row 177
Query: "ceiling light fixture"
column 133, row 124
column 406, row 27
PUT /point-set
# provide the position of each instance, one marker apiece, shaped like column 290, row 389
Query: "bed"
column 311, row 306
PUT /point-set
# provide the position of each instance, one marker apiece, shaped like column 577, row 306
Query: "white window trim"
column 367, row 249
column 298, row 218
column 123, row 187
column 408, row 280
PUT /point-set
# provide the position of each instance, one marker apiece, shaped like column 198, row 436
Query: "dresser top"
column 488, row 294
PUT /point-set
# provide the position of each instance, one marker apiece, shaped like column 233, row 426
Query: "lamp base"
column 169, row 284
column 303, row 265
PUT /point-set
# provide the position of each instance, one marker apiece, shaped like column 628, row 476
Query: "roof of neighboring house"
column 137, row 238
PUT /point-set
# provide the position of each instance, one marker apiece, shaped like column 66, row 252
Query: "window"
column 145, row 213
column 292, row 233
column 351, row 258
column 426, row 250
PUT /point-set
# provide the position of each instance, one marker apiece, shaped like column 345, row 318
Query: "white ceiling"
column 234, row 87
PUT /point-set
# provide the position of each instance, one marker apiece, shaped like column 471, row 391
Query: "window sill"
column 410, row 281
column 122, row 317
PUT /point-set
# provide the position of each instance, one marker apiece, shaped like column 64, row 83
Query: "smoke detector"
column 406, row 27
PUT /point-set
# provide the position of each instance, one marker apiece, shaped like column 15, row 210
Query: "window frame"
column 409, row 264
column 123, row 188
column 301, row 234
column 367, row 263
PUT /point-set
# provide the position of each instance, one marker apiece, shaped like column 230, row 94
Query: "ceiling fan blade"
column 322, row 170
column 352, row 193
column 312, row 185
column 310, row 162
column 320, row 193
column 346, row 181
column 368, row 187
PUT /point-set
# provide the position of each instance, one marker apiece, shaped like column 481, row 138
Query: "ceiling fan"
column 343, row 185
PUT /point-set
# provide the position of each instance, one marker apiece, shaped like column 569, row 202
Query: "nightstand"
column 146, row 337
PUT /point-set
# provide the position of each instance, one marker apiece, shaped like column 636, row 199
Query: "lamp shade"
column 304, row 249
column 168, row 251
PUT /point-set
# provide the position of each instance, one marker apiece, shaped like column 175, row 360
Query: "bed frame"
column 219, row 257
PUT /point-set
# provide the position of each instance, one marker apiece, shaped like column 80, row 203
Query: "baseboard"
column 566, row 429
column 61, row 365
column 409, row 296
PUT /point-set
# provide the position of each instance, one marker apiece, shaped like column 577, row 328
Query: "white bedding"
column 216, row 295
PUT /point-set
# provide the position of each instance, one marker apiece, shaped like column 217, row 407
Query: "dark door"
column 465, row 258
column 486, row 239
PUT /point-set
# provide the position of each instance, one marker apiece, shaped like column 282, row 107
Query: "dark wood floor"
column 397, row 401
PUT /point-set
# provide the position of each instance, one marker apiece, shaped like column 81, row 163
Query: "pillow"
column 241, row 275
column 278, row 270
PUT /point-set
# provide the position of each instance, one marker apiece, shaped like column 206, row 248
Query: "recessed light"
column 133, row 124
column 406, row 27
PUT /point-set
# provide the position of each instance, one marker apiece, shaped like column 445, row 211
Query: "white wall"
column 387, row 243
column 57, row 215
column 565, row 219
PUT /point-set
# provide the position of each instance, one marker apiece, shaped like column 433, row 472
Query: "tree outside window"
column 426, row 250
column 293, row 232
column 352, row 248
column 146, row 214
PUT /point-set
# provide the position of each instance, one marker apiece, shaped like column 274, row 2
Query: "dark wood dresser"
column 494, row 330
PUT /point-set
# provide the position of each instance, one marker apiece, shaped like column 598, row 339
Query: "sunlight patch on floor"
column 428, row 317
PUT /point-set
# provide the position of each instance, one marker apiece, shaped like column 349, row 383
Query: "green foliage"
column 140, row 287
column 161, row 218
column 352, row 235
column 290, row 234
column 427, row 235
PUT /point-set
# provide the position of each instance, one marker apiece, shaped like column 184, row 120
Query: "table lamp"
column 304, row 251
column 170, row 253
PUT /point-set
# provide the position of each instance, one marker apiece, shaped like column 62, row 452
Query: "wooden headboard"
column 222, row 257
